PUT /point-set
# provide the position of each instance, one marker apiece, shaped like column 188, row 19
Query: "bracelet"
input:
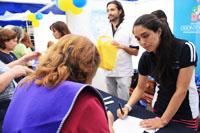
column 128, row 106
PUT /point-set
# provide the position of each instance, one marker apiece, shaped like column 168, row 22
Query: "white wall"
column 90, row 21
column 81, row 24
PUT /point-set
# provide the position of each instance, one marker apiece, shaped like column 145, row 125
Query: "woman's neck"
column 5, row 51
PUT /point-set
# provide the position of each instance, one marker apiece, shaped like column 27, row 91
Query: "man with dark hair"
column 119, row 79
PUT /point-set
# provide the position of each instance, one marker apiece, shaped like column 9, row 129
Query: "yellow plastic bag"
column 108, row 52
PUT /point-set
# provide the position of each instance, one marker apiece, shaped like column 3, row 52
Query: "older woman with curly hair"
column 57, row 97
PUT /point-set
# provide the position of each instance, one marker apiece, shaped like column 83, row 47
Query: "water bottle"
column 143, row 103
column 34, row 64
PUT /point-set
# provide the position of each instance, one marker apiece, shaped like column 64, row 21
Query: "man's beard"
column 113, row 19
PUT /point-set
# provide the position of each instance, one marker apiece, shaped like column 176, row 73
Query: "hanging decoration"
column 39, row 16
column 35, row 23
column 73, row 6
column 31, row 16
column 79, row 3
column 35, row 19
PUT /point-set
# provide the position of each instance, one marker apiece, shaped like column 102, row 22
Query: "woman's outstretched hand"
column 153, row 123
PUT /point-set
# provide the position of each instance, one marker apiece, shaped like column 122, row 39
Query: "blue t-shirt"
column 7, row 58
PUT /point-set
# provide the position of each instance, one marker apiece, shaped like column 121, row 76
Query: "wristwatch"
column 128, row 106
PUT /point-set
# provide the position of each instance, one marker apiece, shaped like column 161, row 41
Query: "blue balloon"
column 79, row 3
column 39, row 16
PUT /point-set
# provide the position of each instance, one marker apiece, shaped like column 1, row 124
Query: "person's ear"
column 120, row 11
column 159, row 31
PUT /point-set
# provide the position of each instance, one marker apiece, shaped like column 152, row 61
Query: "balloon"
column 63, row 5
column 39, row 16
column 31, row 17
column 35, row 23
column 74, row 10
column 79, row 3
column 67, row 5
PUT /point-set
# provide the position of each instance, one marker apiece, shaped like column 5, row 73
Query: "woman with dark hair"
column 59, row 29
column 8, row 41
column 160, row 14
column 57, row 97
column 171, row 62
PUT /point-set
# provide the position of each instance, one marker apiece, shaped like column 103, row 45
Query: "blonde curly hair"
column 73, row 58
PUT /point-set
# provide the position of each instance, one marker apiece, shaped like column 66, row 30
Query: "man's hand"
column 118, row 45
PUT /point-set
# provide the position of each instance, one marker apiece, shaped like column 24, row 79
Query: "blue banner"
column 187, row 23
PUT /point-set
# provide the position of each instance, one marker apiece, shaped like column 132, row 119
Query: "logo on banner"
column 194, row 26
column 196, row 13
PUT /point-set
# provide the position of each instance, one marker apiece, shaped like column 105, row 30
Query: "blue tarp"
column 23, row 7
column 13, row 22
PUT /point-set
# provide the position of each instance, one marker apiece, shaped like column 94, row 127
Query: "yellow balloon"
column 68, row 6
column 31, row 16
column 35, row 23
column 64, row 5
column 75, row 10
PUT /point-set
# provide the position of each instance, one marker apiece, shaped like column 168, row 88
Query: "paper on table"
column 129, row 125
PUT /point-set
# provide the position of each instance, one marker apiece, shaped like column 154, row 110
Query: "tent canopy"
column 15, row 7
column 21, row 6
column 13, row 22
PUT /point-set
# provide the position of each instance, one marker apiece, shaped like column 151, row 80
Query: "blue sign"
column 187, row 23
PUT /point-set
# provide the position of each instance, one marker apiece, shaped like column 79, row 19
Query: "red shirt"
column 87, row 116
